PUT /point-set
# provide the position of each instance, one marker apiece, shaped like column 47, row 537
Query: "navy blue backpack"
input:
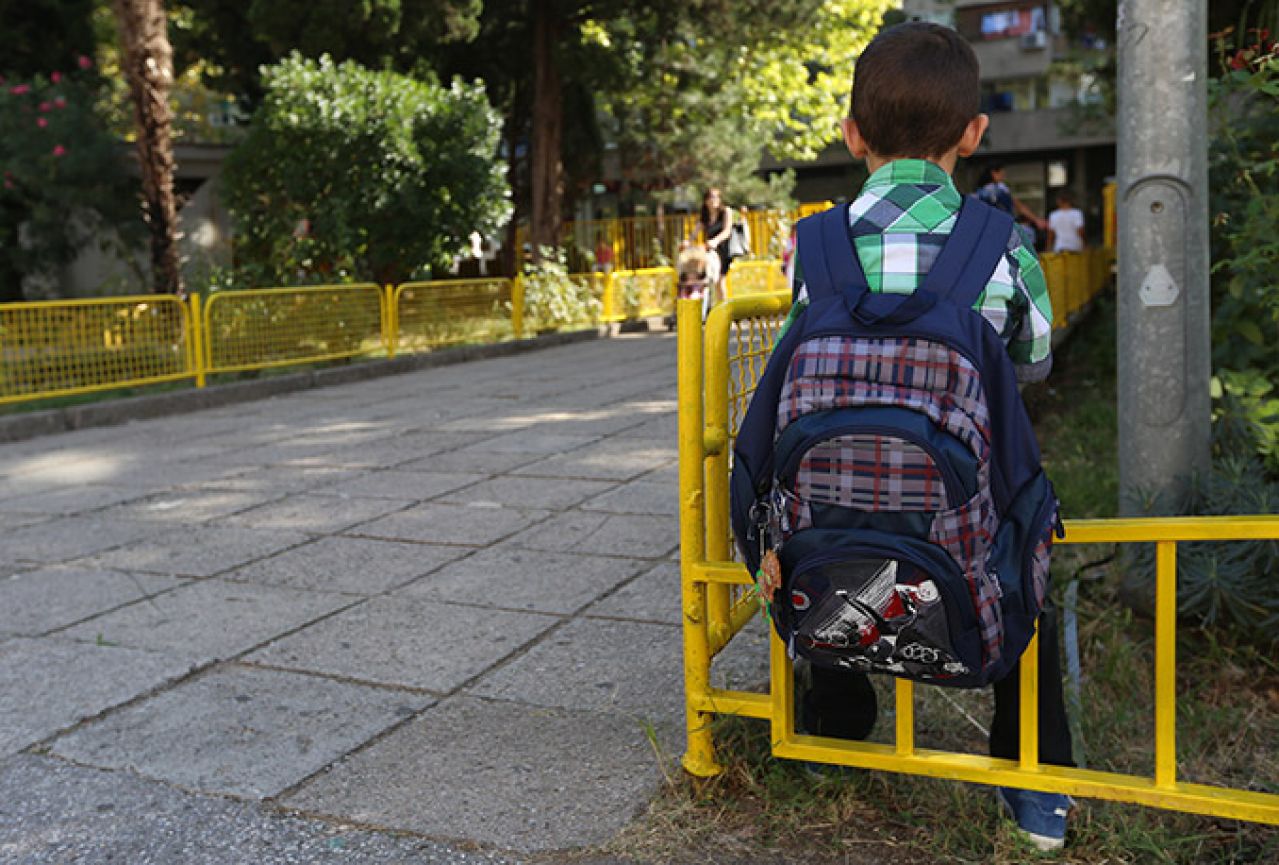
column 887, row 469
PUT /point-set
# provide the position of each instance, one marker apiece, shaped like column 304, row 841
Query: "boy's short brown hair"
column 915, row 88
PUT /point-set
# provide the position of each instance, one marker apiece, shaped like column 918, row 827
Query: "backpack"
column 887, row 468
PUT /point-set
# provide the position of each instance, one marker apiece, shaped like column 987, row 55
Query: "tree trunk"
column 148, row 66
column 548, row 119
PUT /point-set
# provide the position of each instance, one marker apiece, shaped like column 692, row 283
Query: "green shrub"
column 552, row 298
column 354, row 174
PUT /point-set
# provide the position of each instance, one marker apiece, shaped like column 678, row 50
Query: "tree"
column 703, row 103
column 235, row 39
column 349, row 172
column 148, row 66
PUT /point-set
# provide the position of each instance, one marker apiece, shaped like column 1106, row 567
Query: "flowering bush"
column 62, row 178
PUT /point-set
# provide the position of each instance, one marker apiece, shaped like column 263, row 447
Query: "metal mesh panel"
column 279, row 326
column 449, row 312
column 67, row 347
column 750, row 345
column 644, row 293
column 755, row 277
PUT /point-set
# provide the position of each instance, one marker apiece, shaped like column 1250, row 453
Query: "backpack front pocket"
column 875, row 607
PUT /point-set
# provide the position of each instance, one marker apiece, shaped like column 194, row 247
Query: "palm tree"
column 148, row 66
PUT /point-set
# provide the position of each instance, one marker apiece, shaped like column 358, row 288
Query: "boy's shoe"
column 1041, row 817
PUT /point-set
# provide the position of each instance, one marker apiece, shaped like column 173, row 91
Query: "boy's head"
column 1065, row 199
column 916, row 93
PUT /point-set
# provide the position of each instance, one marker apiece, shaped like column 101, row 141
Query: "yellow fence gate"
column 718, row 370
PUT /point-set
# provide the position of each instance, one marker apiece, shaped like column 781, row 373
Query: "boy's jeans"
column 841, row 703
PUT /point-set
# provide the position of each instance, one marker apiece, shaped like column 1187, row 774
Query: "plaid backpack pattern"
column 887, row 462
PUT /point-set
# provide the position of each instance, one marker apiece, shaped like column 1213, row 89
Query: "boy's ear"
column 973, row 132
column 857, row 145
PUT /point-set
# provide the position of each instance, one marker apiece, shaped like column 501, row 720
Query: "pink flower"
column 55, row 77
column 59, row 103
column 42, row 122
column 46, row 106
column 20, row 89
column 59, row 150
column 84, row 62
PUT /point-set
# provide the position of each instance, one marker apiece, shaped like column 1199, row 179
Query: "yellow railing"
column 754, row 277
column 429, row 315
column 1074, row 278
column 269, row 327
column 718, row 369
column 63, row 348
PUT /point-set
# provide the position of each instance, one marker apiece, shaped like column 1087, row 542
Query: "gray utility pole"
column 1164, row 341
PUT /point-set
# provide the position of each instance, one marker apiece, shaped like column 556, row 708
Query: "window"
column 1002, row 21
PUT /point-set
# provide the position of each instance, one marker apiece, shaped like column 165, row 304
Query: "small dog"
column 698, row 275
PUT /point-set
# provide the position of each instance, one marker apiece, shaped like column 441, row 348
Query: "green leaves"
column 350, row 173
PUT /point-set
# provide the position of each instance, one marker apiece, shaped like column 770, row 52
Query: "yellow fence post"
column 390, row 328
column 517, row 306
column 196, row 346
column 699, row 759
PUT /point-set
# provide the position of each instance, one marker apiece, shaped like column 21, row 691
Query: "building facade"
column 1049, row 124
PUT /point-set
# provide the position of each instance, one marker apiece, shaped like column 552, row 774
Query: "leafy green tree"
column 704, row 103
column 63, row 182
column 234, row 39
column 349, row 172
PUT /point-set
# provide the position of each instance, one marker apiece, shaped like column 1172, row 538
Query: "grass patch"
column 763, row 809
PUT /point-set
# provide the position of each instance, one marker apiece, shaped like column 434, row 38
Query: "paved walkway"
column 440, row 607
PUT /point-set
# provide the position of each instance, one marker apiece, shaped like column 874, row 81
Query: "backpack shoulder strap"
column 827, row 255
column 971, row 254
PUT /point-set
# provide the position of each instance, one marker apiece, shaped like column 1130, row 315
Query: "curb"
column 21, row 427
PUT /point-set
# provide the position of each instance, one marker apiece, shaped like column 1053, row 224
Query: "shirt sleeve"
column 1031, row 345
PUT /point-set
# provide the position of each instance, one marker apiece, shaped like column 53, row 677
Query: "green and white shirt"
column 900, row 222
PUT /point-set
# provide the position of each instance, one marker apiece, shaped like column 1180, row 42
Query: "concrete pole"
column 1164, row 342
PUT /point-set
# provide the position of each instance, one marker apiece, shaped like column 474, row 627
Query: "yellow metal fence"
column 64, row 348
column 718, row 370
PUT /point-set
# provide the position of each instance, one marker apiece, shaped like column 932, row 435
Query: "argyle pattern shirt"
column 898, row 225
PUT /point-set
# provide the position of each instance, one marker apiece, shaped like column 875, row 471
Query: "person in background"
column 993, row 189
column 1066, row 225
column 603, row 254
column 716, row 224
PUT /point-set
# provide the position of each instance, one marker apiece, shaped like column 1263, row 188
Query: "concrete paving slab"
column 413, row 642
column 38, row 601
column 514, row 492
column 16, row 519
column 238, row 730
column 651, row 597
column 354, row 565
column 495, row 773
column 164, row 475
column 308, row 512
column 451, row 524
column 69, row 501
column 485, row 463
column 401, row 484
column 531, row 442
column 190, row 506
column 611, row 459
column 50, row 684
column 209, row 620
column 199, row 550
column 632, row 535
column 68, row 538
column 629, row 667
column 520, row 579
column 53, row 813
column 281, row 479
column 637, row 497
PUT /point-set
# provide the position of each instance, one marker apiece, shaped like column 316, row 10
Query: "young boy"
column 1066, row 225
column 915, row 111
